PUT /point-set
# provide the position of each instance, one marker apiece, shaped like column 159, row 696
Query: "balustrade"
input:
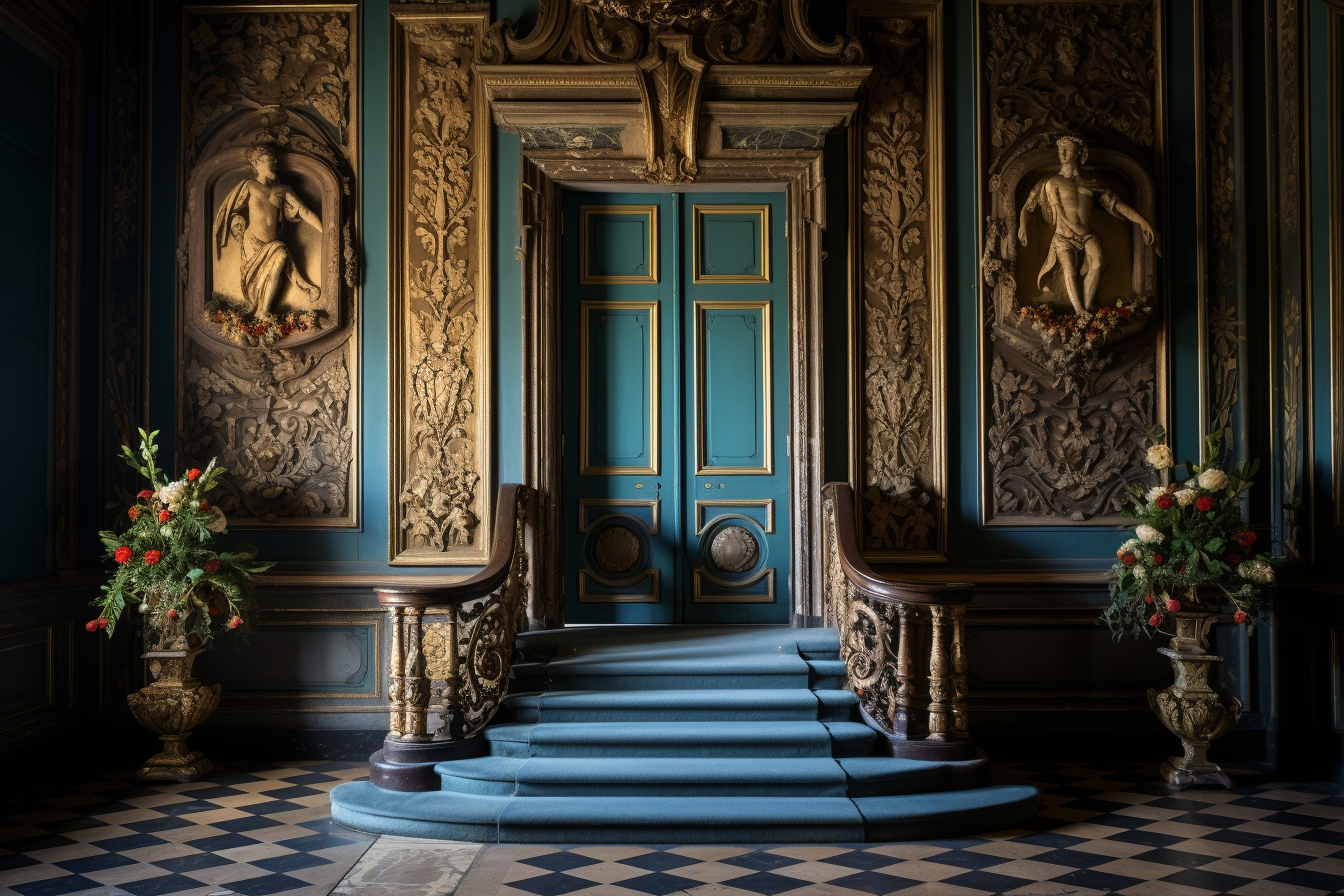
column 903, row 643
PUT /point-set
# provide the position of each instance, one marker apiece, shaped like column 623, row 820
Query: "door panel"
column 674, row 327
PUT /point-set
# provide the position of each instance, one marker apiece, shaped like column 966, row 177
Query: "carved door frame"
column 542, row 175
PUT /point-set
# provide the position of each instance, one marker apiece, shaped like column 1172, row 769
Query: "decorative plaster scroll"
column 440, row 327
column 899, row 460
column 1221, row 209
column 126, row 224
column 1071, row 393
column 266, row 352
column 1288, row 274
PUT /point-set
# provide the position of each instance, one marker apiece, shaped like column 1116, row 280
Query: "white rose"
column 1128, row 547
column 1213, row 479
column 1159, row 456
column 1184, row 497
column 171, row 494
column 1148, row 535
column 1257, row 571
column 1140, row 573
column 217, row 522
column 1154, row 493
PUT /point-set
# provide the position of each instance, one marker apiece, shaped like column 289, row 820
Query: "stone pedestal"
column 1189, row 708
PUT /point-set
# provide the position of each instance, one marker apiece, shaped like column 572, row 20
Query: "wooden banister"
column 903, row 643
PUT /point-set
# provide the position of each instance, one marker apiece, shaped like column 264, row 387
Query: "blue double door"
column 676, row 414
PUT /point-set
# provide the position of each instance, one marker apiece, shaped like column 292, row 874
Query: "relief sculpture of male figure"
column 254, row 214
column 1066, row 200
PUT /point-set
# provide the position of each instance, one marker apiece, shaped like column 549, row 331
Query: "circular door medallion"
column 617, row 549
column 734, row 549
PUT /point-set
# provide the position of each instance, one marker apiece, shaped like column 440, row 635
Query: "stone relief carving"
column 1072, row 328
column 267, row 260
column 438, row 243
column 901, row 504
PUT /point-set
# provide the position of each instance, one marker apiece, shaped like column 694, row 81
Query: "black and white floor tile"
column 263, row 829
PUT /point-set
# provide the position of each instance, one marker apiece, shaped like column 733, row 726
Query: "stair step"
column 484, row 775
column 680, row 820
column 364, row 807
column 724, row 777
column 929, row 816
column 771, row 704
column 837, row 705
column 884, row 776
column 828, row 674
column 694, row 739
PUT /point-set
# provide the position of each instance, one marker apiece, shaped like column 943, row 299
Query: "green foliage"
column 166, row 563
column 1189, row 544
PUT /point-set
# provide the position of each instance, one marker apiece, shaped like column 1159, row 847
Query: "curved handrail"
column 511, row 498
column 862, row 575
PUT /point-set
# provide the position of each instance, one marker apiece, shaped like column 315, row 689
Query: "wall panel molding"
column 1334, row 98
column 268, row 379
column 898, row 413
column 442, row 481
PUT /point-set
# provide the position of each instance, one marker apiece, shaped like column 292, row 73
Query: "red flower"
column 1174, row 606
column 152, row 557
column 165, row 515
column 205, row 505
column 1239, row 616
column 123, row 554
column 1245, row 539
column 1127, row 558
column 212, row 565
column 1182, row 569
column 133, row 512
column 145, row 493
column 192, row 474
column 1124, row 312
column 1147, row 598
column 235, row 622
column 1158, row 558
column 102, row 622
column 1233, row 559
column 1165, row 501
column 172, row 614
column 91, row 625
column 1205, row 503
column 215, row 611
column 1155, row 620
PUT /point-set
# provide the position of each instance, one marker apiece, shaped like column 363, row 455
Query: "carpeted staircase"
column 638, row 734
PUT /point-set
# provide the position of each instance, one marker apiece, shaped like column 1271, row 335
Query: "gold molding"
column 898, row 460
column 652, row 598
column 349, row 618
column 587, row 212
column 700, row 596
column 655, row 512
column 441, row 417
column 763, row 306
column 654, row 430
column 768, row 504
column 698, row 215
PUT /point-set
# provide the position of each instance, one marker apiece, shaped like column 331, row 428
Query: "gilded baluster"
column 938, row 677
column 901, row 717
column 415, row 686
column 960, row 688
column 396, row 692
column 453, row 715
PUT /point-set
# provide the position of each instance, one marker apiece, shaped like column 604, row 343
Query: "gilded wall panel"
column 268, row 259
column 1072, row 351
column 441, row 478
column 899, row 457
column 1288, row 282
column 1222, row 222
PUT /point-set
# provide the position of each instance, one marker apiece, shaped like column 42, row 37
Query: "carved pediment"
column 667, row 82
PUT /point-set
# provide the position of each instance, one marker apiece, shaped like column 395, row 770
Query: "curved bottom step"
column 489, row 819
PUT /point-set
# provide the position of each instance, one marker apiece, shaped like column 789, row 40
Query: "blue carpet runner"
column 655, row 734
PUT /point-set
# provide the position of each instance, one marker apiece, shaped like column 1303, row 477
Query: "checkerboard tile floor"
column 251, row 829
column 261, row 829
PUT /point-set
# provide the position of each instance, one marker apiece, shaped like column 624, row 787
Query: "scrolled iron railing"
column 903, row 643
column 452, row 651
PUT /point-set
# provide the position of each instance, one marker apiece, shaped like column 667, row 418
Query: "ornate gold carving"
column 440, row 333
column 274, row 403
column 1189, row 708
column 1073, row 387
column 901, row 423
column 617, row 549
column 1292, row 432
column 734, row 549
column 172, row 707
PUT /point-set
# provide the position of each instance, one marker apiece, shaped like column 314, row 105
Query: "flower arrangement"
column 1188, row 537
column 1075, row 329
column 244, row 328
column 186, row 590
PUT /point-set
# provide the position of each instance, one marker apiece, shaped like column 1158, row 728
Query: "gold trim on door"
column 702, row 597
column 654, row 431
column 599, row 598
column 767, row 390
column 655, row 512
column 697, row 270
column 588, row 211
column 768, row 504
